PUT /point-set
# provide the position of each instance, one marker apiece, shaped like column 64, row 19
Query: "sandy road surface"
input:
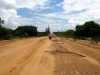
column 41, row 56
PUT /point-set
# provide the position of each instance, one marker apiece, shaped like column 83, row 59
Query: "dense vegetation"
column 5, row 33
column 89, row 30
column 25, row 31
column 68, row 33
column 20, row 32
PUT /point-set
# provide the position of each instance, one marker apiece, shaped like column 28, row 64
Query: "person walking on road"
column 50, row 36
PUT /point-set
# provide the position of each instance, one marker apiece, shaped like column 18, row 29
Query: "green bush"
column 1, row 38
column 25, row 35
column 83, row 38
column 97, row 39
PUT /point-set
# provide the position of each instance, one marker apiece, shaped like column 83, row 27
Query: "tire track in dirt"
column 15, row 60
column 42, row 56
column 42, row 63
column 34, row 48
column 69, row 61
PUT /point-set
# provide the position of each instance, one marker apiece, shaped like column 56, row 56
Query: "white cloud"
column 10, row 18
column 5, row 4
column 75, row 5
column 9, row 14
column 31, row 4
column 59, row 4
column 78, row 5
column 74, row 12
column 80, row 11
column 72, row 23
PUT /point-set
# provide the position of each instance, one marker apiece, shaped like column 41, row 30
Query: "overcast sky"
column 60, row 15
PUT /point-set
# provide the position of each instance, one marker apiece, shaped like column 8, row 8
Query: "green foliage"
column 88, row 30
column 61, row 34
column 97, row 39
column 21, row 31
column 1, row 22
column 42, row 34
column 25, row 31
column 70, row 33
column 5, row 33
column 9, row 36
column 25, row 35
column 2, row 38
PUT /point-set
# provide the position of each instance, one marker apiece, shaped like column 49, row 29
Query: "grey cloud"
column 5, row 5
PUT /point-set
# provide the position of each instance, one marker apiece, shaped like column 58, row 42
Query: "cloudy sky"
column 60, row 15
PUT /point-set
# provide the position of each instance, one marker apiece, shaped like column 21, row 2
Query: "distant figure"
column 50, row 36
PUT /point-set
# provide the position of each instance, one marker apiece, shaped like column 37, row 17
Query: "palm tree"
column 1, row 22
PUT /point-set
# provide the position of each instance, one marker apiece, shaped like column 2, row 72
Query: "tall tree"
column 89, row 29
column 47, row 31
column 1, row 22
column 22, row 30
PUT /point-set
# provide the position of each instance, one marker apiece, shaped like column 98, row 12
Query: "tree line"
column 89, row 30
column 20, row 32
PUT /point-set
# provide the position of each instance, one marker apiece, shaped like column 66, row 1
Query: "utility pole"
column 48, row 29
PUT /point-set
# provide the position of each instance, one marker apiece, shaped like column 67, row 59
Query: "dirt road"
column 41, row 56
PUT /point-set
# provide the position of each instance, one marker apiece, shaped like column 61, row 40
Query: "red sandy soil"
column 41, row 56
